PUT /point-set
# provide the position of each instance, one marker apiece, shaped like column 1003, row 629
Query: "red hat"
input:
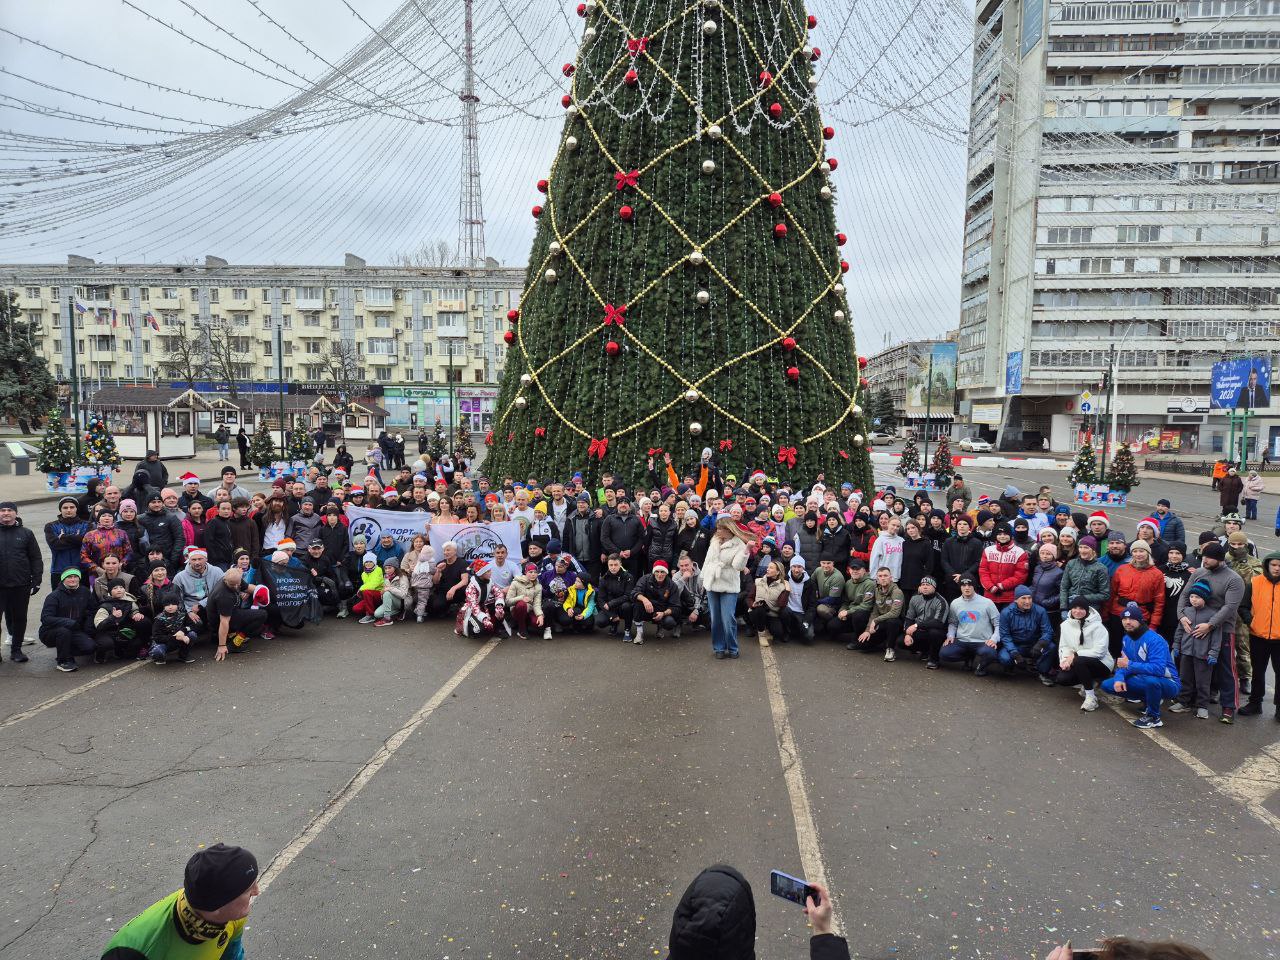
column 661, row 563
column 261, row 596
column 189, row 477
column 1100, row 515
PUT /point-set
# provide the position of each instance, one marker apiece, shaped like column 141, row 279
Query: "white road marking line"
column 1229, row 785
column 815, row 867
column 1256, row 779
column 64, row 697
column 366, row 773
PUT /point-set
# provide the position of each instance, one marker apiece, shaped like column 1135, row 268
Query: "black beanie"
column 715, row 919
column 217, row 875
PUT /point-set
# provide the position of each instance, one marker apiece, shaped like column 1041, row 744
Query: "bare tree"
column 341, row 369
column 227, row 355
column 436, row 253
column 186, row 357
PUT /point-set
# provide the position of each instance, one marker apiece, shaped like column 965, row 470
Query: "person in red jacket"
column 1139, row 581
column 1003, row 566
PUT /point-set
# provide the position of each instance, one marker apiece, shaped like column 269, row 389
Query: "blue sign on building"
column 1243, row 384
column 1013, row 374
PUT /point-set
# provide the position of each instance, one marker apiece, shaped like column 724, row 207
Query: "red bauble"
column 582, row 9
column 780, row 230
column 844, row 266
column 841, row 239
column 612, row 348
column 542, row 186
column 793, row 374
column 813, row 21
column 537, row 210
column 566, row 101
column 567, row 69
column 832, row 162
column 626, row 213
column 509, row 336
column 766, row 78
column 816, row 55
column 864, row 383
column 513, row 316
column 775, row 111
column 775, row 199
column 539, row 432
column 788, row 343
column 632, row 78
column 828, row 133
column 862, row 363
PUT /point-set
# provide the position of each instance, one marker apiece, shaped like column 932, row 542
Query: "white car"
column 878, row 438
column 976, row 445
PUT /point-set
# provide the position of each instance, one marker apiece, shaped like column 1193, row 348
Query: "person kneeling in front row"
column 1026, row 637
column 66, row 619
column 926, row 622
column 1145, row 672
column 973, row 629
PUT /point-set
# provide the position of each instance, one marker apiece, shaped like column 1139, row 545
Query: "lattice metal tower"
column 470, row 205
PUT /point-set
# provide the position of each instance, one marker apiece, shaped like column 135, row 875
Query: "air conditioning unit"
column 398, row 295
column 1177, row 20
column 1266, row 243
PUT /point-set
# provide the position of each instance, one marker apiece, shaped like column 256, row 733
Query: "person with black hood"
column 1177, row 572
column 86, row 500
column 961, row 556
column 797, row 616
column 862, row 536
column 805, row 535
column 1022, row 534
column 918, row 559
column 834, row 542
column 164, row 533
column 660, row 536
column 140, row 490
column 157, row 472
column 623, row 534
column 716, row 920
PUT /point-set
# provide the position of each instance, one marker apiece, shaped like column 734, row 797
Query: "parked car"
column 879, row 438
column 976, row 445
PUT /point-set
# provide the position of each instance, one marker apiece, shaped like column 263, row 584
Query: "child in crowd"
column 395, row 593
column 1196, row 656
column 421, row 579
column 119, row 626
column 169, row 634
column 370, row 589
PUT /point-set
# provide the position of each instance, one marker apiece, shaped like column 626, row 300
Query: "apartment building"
column 1123, row 188
column 403, row 330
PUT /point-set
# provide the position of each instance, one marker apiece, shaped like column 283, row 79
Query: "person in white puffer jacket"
column 727, row 554
column 1083, row 655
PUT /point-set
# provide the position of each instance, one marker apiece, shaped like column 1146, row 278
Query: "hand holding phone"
column 792, row 888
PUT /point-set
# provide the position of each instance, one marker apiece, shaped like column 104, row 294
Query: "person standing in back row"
column 21, row 570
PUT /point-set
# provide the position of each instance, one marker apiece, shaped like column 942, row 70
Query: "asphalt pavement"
column 552, row 799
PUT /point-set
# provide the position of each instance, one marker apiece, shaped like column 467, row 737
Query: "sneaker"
column 1179, row 707
column 1227, row 717
column 17, row 656
column 720, row 654
column 981, row 671
column 732, row 655
column 638, row 636
column 267, row 635
column 67, row 666
column 931, row 665
column 1250, row 709
column 626, row 637
column 520, row 635
column 1090, row 702
column 238, row 639
column 1081, row 690
column 1047, row 681
column 890, row 656
column 1148, row 722
column 546, row 633
column 1132, row 700
column 851, row 645
column 368, row 619
column 100, row 656
column 384, row 622
column 343, row 612
column 1202, row 713
column 422, row 619
column 156, row 655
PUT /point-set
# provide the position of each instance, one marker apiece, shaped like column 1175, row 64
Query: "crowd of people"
column 1008, row 584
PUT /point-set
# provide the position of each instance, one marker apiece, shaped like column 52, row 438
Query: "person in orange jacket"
column 1139, row 581
column 1264, row 629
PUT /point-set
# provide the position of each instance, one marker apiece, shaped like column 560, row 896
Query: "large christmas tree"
column 685, row 285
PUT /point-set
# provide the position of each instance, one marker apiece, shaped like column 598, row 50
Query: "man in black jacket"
column 654, row 601
column 716, row 920
column 164, row 533
column 21, row 570
column 961, row 555
column 157, row 472
column 613, row 599
column 622, row 533
column 580, row 535
column 66, row 619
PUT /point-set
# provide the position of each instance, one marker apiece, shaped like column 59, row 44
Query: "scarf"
column 193, row 927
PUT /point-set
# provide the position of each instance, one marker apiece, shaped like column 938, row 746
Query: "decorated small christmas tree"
column 301, row 446
column 438, row 445
column 99, row 445
column 57, row 455
column 941, row 467
column 1123, row 474
column 1085, row 469
column 462, row 448
column 909, row 462
column 262, row 449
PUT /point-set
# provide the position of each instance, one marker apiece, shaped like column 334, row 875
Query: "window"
column 128, row 369
column 106, row 370
column 1095, row 265
column 33, row 293
column 313, row 346
column 382, row 321
column 144, row 294
column 195, row 294
column 379, row 296
column 239, row 293
column 1072, row 235
column 310, row 293
column 213, row 294
column 311, row 319
column 452, row 293
column 1131, row 233
column 286, row 295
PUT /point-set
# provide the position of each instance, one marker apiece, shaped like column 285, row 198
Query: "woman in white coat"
column 1084, row 659
column 727, row 555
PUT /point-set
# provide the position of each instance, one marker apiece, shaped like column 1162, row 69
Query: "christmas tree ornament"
column 812, row 21
column 775, row 111
column 571, row 111
column 775, row 199
column 695, row 428
column 591, row 6
column 589, row 33
column 513, row 316
column 779, row 230
column 766, row 79
column 838, row 316
column 793, row 374
column 631, row 78
column 526, row 379
column 703, row 297
column 838, row 289
column 554, row 248
column 857, row 410
column 691, row 395
column 844, row 266
column 828, row 133
column 539, row 432
column 833, row 163
column 697, row 258
column 571, row 143
column 709, row 28
column 537, row 211
column 626, row 213
column 788, row 344
column 509, row 336
column 813, row 82
column 862, row 363
column 815, row 54
column 567, row 69
column 566, row 101
column 542, row 186
column 806, row 52
column 824, row 167
column 612, row 348
column 858, row 439
column 825, row 193
column 841, row 239
column 864, row 383
column 708, row 166
column 550, row 275
column 521, row 402
column 714, row 131
column 582, row 9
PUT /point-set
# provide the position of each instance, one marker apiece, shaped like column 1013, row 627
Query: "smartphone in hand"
column 792, row 888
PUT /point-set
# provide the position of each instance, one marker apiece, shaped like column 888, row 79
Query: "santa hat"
column 757, row 475
column 189, row 477
column 261, row 596
column 193, row 552
column 661, row 563
column 373, row 472
column 1151, row 522
column 1101, row 515
column 288, row 543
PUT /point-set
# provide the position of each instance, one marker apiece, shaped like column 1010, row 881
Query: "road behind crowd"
column 434, row 797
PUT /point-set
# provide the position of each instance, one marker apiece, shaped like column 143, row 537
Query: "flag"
column 115, row 318
column 80, row 307
column 151, row 319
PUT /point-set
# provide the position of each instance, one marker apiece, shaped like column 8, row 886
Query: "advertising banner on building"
column 931, row 380
column 1243, row 384
column 987, row 413
column 1013, row 373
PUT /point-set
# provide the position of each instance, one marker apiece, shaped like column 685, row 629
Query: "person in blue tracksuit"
column 1145, row 670
column 65, row 537
column 1026, row 636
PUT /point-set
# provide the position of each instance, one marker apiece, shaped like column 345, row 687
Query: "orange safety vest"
column 1266, row 608
column 1219, row 470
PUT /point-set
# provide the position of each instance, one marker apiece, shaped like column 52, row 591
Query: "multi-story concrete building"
column 405, row 330
column 890, row 370
column 1123, row 188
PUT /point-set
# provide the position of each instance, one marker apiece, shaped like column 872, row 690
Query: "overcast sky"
column 379, row 185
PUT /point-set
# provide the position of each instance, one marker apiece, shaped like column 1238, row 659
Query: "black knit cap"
column 217, row 875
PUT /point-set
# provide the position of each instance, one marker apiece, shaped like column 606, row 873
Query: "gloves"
column 35, row 589
column 1213, row 661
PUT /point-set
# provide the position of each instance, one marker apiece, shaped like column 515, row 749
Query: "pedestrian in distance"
column 21, row 572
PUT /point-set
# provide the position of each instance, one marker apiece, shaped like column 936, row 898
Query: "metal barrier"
column 1199, row 468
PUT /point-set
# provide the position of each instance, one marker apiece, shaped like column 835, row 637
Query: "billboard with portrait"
column 1241, row 384
column 931, row 391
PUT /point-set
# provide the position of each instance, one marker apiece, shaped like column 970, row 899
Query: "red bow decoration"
column 630, row 178
column 511, row 436
column 655, row 451
column 637, row 46
column 539, row 431
column 598, row 448
column 726, row 445
column 787, row 455
column 843, row 454
column 488, row 439
column 614, row 314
